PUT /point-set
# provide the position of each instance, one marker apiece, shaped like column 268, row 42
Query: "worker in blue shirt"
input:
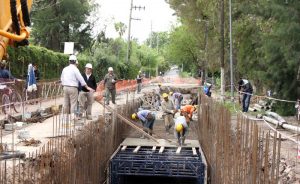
column 147, row 118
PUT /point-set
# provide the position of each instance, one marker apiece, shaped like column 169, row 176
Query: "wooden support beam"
column 178, row 150
column 136, row 149
column 153, row 148
column 161, row 149
column 194, row 151
column 123, row 148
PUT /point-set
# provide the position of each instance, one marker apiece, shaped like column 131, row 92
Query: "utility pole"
column 206, row 55
column 129, row 32
column 231, row 60
column 157, row 49
column 129, row 27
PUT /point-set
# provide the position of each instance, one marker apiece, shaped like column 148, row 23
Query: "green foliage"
column 269, row 50
column 182, row 49
column 50, row 63
column 265, row 34
column 57, row 22
column 120, row 27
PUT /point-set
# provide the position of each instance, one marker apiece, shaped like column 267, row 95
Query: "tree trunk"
column 222, row 51
column 298, row 83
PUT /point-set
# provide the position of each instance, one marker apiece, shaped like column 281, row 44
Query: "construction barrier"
column 121, row 86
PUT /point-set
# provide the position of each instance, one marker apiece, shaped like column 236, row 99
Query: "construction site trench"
column 108, row 149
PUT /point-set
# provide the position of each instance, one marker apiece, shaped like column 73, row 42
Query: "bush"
column 50, row 63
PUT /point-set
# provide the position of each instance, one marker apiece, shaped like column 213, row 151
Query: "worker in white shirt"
column 180, row 129
column 70, row 79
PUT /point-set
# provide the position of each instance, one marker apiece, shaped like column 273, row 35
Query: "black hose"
column 14, row 16
column 25, row 12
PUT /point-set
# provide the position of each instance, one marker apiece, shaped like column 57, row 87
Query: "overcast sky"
column 157, row 11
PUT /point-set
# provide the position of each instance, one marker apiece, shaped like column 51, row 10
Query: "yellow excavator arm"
column 14, row 19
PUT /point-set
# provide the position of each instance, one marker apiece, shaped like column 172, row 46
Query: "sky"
column 156, row 11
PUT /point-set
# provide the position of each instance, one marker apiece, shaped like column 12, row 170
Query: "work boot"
column 182, row 140
column 179, row 141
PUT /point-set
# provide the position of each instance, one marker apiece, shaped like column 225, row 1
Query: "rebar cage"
column 149, row 166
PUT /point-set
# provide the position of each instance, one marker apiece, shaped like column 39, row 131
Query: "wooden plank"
column 128, row 122
column 123, row 148
column 136, row 149
column 194, row 151
column 178, row 150
column 153, row 148
column 161, row 149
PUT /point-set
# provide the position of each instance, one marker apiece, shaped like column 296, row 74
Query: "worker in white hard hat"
column 86, row 98
column 180, row 129
column 168, row 112
column 110, row 81
column 70, row 79
column 139, row 81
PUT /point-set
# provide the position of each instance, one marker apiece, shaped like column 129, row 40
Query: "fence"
column 237, row 151
column 71, row 157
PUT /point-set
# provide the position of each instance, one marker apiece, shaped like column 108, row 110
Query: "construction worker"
column 147, row 118
column 159, row 88
column 177, row 99
column 70, row 79
column 86, row 98
column 110, row 81
column 246, row 89
column 180, row 129
column 4, row 73
column 206, row 89
column 168, row 112
column 187, row 111
column 139, row 80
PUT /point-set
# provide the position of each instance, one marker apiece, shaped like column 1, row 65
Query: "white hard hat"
column 72, row 58
column 110, row 69
column 89, row 65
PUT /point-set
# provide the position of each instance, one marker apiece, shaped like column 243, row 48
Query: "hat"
column 134, row 116
column 179, row 127
column 110, row 69
column 165, row 95
column 72, row 58
column 89, row 65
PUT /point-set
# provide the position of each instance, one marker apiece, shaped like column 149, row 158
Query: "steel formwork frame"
column 151, row 163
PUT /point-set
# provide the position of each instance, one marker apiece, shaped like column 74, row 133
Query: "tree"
column 201, row 19
column 55, row 22
column 182, row 49
column 120, row 27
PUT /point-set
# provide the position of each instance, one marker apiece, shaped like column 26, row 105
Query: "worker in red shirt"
column 187, row 111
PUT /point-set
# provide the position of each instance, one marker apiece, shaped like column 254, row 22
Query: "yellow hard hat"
column 159, row 84
column 165, row 95
column 179, row 128
column 171, row 93
column 134, row 116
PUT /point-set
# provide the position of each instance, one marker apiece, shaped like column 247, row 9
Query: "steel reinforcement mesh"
column 149, row 166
